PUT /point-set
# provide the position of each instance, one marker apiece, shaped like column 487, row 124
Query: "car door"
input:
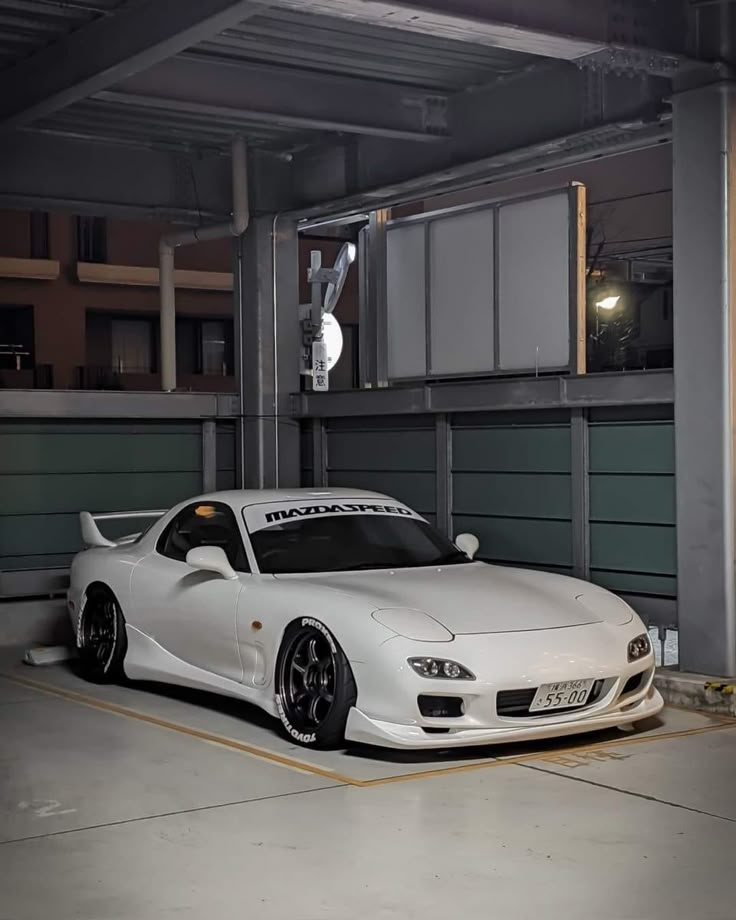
column 191, row 613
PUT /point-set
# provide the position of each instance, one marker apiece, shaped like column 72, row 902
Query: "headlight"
column 639, row 647
column 440, row 668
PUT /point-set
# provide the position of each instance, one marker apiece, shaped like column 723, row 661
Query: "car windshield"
column 350, row 543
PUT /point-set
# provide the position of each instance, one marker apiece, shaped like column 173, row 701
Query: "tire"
column 101, row 639
column 315, row 686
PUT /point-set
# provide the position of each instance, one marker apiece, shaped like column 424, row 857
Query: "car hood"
column 479, row 598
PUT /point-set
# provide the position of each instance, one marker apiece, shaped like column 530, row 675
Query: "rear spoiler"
column 91, row 535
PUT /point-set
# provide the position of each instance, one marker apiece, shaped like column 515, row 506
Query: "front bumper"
column 363, row 730
column 387, row 712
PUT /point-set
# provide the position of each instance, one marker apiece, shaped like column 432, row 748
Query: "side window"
column 204, row 524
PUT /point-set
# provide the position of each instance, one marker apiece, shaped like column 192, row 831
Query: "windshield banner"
column 258, row 517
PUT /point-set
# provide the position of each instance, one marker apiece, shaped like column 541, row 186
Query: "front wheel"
column 315, row 687
column 101, row 639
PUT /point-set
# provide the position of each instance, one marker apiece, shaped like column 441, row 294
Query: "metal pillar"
column 373, row 306
column 209, row 455
column 443, row 472
column 267, row 320
column 319, row 454
column 580, row 487
column 705, row 401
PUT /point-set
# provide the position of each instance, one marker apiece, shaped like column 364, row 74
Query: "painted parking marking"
column 585, row 758
column 580, row 754
column 45, row 808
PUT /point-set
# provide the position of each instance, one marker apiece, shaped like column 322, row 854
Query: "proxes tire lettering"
column 315, row 624
column 301, row 737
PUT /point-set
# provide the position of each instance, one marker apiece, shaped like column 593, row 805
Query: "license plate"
column 562, row 695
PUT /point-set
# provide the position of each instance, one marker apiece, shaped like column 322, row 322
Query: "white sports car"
column 349, row 617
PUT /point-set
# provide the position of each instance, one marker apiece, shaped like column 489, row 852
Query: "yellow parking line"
column 303, row 766
column 221, row 740
column 544, row 755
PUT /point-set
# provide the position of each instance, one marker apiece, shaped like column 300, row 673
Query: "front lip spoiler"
column 362, row 729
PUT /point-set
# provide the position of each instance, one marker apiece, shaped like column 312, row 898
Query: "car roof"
column 244, row 497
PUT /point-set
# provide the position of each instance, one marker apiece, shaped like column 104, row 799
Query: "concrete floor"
column 137, row 802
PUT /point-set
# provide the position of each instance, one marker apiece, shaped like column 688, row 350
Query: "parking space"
column 139, row 802
column 244, row 729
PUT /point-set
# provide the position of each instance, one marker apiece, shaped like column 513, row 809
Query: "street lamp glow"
column 608, row 303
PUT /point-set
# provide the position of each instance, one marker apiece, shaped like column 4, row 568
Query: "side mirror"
column 211, row 559
column 468, row 543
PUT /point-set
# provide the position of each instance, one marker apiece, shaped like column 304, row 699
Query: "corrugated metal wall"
column 511, row 485
column 50, row 470
column 633, row 546
column 391, row 455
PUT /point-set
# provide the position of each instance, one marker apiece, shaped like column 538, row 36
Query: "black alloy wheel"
column 101, row 639
column 315, row 685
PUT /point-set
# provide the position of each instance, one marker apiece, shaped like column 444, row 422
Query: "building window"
column 16, row 338
column 131, row 342
column 91, row 239
column 204, row 346
column 39, row 221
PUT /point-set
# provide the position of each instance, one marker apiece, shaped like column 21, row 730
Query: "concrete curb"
column 698, row 691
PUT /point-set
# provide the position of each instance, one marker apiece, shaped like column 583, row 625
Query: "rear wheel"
column 315, row 687
column 101, row 639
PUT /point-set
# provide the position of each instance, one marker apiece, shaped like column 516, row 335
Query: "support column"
column 580, row 487
column 319, row 454
column 704, row 322
column 267, row 356
column 373, row 305
column 209, row 455
column 443, row 473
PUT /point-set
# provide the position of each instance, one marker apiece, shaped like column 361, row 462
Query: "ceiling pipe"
column 169, row 243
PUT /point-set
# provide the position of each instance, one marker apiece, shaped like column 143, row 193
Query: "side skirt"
column 147, row 660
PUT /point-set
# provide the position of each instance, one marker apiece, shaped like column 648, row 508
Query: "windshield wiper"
column 364, row 566
column 456, row 558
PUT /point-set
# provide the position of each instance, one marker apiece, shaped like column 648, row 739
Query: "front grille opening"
column 436, row 731
column 440, row 707
column 633, row 683
column 514, row 704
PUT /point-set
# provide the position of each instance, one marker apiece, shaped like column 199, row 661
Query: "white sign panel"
column 487, row 289
column 320, row 368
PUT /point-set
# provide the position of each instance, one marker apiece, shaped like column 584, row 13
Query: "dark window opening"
column 205, row 346
column 91, row 239
column 118, row 344
column 629, row 319
column 204, row 524
column 39, row 221
column 17, row 350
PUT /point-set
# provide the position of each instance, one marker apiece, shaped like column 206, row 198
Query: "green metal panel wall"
column 50, row 471
column 511, row 486
column 632, row 505
column 395, row 456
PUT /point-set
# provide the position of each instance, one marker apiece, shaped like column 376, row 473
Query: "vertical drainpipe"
column 169, row 243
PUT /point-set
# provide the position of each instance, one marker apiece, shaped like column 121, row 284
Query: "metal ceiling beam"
column 110, row 48
column 566, row 112
column 114, row 180
column 115, row 405
column 285, row 97
column 649, row 41
column 648, row 388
